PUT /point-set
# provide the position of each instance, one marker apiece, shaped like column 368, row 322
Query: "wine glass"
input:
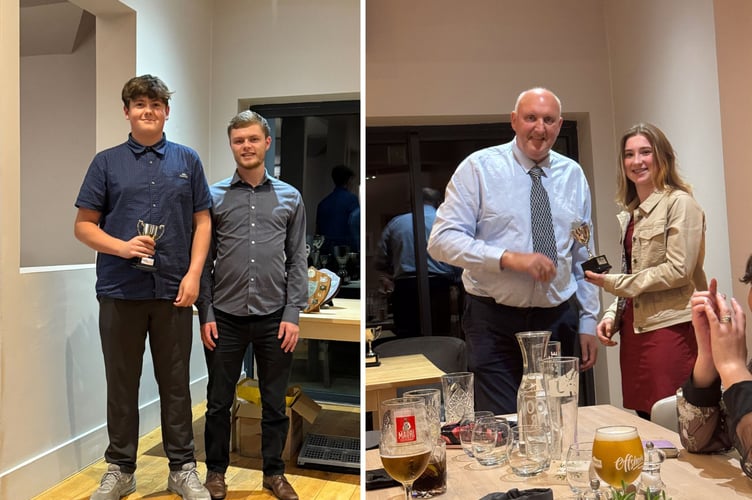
column 405, row 445
column 617, row 454
column 578, row 464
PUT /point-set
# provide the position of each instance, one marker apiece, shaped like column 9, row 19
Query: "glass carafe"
column 532, row 404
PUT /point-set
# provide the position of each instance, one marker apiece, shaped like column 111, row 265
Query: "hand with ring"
column 728, row 340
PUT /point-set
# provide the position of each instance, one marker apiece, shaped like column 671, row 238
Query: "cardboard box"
column 246, row 419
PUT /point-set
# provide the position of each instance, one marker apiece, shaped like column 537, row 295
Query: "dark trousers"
column 224, row 364
column 123, row 326
column 494, row 355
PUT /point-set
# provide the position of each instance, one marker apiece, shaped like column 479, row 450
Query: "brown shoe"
column 215, row 483
column 281, row 488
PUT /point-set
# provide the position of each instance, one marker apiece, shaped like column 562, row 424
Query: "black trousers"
column 494, row 355
column 123, row 326
column 224, row 364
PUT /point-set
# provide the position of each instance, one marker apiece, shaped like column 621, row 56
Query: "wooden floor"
column 243, row 477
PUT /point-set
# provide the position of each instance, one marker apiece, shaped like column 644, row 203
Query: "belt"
column 492, row 302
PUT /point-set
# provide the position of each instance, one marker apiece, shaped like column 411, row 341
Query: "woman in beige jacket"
column 663, row 238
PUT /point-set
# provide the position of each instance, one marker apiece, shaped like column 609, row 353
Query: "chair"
column 664, row 413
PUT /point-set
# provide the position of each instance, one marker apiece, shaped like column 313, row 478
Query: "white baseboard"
column 44, row 471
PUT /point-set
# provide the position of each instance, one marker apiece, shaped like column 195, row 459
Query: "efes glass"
column 617, row 454
column 405, row 445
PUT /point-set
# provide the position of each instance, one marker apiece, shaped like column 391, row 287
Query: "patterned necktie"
column 544, row 240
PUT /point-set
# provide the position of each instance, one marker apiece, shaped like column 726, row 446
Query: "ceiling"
column 53, row 27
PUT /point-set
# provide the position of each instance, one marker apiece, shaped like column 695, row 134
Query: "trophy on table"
column 597, row 264
column 155, row 232
column 372, row 359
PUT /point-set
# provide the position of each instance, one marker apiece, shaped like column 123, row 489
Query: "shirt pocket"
column 651, row 241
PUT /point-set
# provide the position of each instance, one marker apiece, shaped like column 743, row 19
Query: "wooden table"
column 339, row 322
column 688, row 477
column 383, row 381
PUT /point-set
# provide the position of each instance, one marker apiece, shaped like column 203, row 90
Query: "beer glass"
column 405, row 445
column 617, row 454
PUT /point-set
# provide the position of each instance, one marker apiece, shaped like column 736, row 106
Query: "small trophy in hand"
column 597, row 264
column 155, row 232
column 372, row 359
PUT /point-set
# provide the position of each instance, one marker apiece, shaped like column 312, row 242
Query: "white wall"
column 58, row 140
column 52, row 391
column 285, row 51
column 612, row 63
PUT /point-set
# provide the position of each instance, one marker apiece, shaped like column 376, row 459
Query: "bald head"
column 536, row 121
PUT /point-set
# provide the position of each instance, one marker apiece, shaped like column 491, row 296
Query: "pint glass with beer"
column 617, row 454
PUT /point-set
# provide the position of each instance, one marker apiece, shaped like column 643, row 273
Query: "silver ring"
column 726, row 319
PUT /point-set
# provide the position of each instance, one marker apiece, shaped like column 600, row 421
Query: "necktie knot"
column 536, row 172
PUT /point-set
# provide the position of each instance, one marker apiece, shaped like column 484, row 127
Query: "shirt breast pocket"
column 652, row 244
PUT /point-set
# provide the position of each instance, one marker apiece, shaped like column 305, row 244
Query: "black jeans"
column 494, row 355
column 123, row 325
column 224, row 364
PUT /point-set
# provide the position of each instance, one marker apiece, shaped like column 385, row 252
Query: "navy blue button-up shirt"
column 163, row 184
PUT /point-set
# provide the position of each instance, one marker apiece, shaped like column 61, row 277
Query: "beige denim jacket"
column 668, row 251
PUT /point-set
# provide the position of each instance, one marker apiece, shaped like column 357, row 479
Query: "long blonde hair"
column 665, row 178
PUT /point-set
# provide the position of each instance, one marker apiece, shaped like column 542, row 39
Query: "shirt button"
column 253, row 242
column 253, row 279
column 253, row 260
column 253, row 224
column 253, row 207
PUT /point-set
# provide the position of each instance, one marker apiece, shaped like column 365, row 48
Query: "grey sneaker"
column 185, row 483
column 115, row 484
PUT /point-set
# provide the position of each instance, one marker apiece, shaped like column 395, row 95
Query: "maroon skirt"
column 654, row 364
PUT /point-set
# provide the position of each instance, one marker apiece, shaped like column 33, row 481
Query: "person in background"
column 396, row 260
column 663, row 239
column 333, row 212
column 715, row 403
column 253, row 288
column 147, row 179
column 486, row 225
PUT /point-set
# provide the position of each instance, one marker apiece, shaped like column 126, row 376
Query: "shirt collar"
column 236, row 178
column 526, row 162
column 140, row 149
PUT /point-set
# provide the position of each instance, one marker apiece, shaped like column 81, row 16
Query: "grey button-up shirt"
column 257, row 263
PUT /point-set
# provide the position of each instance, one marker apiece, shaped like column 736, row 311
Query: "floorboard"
column 244, row 476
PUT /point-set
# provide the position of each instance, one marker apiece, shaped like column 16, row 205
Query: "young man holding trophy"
column 144, row 207
column 508, row 219
column 252, row 291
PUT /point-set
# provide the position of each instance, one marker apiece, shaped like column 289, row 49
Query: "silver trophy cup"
column 155, row 232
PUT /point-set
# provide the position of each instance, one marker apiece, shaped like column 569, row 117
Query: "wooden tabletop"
column 688, row 477
column 394, row 372
column 338, row 322
column 399, row 371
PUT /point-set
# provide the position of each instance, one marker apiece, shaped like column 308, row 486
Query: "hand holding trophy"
column 598, row 264
column 154, row 232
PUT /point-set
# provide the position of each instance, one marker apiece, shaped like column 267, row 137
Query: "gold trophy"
column 372, row 359
column 597, row 264
column 154, row 232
